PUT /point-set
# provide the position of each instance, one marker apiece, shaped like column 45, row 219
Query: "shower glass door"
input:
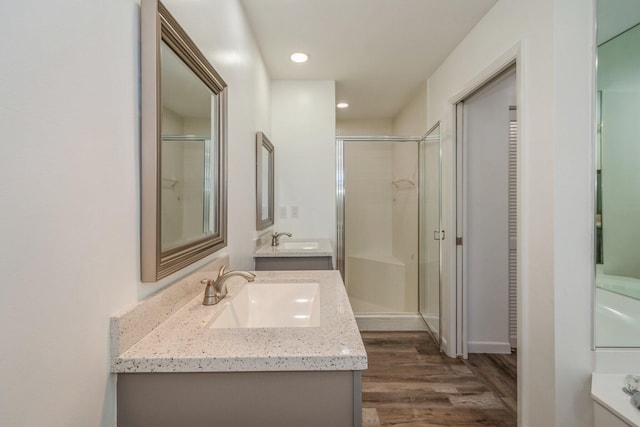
column 378, row 239
column 430, row 229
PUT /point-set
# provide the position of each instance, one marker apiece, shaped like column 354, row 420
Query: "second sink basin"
column 272, row 305
column 308, row 245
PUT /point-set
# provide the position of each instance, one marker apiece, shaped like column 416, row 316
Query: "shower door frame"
column 422, row 170
column 340, row 206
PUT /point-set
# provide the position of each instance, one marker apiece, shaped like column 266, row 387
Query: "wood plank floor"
column 411, row 383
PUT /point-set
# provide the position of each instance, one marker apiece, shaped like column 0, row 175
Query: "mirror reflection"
column 617, row 311
column 264, row 181
column 183, row 148
column 188, row 109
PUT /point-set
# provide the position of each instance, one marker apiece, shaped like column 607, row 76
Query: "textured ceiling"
column 377, row 51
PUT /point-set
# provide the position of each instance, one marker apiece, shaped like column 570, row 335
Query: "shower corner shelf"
column 169, row 183
column 403, row 184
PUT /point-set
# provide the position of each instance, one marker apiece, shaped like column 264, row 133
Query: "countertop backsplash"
column 131, row 324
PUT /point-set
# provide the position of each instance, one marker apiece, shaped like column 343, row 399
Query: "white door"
column 485, row 125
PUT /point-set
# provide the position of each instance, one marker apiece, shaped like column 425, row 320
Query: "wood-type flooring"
column 411, row 383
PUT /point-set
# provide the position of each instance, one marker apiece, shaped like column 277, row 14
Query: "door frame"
column 458, row 219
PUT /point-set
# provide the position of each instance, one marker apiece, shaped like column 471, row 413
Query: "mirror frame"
column 158, row 25
column 263, row 142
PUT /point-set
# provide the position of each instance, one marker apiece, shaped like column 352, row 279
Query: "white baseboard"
column 433, row 322
column 513, row 340
column 489, row 347
column 390, row 322
column 445, row 345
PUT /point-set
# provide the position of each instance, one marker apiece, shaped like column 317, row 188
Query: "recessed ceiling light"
column 342, row 105
column 299, row 57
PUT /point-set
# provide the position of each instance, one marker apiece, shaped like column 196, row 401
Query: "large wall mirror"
column 264, row 181
column 183, row 158
column 617, row 234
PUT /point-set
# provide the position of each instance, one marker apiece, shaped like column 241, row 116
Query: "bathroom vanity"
column 295, row 254
column 196, row 368
column 611, row 406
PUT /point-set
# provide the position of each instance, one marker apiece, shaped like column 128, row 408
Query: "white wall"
column 574, row 205
column 553, row 40
column 69, row 253
column 411, row 120
column 364, row 127
column 303, row 133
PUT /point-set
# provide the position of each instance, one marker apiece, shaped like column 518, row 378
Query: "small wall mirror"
column 264, row 181
column 183, row 148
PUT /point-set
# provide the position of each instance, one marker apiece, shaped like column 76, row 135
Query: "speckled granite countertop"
column 185, row 343
column 266, row 250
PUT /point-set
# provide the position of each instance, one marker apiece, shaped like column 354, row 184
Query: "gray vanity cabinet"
column 294, row 263
column 295, row 254
column 241, row 399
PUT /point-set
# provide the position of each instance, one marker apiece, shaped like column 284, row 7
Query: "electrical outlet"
column 294, row 212
column 283, row 212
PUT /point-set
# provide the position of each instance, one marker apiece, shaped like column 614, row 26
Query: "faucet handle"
column 209, row 293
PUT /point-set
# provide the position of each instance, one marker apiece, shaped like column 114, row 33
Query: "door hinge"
column 458, row 241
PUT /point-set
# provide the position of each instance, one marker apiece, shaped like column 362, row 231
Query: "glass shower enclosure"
column 385, row 193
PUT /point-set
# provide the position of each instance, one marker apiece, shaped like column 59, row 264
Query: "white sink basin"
column 310, row 245
column 272, row 305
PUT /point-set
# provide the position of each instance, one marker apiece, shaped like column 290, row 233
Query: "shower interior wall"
column 404, row 221
column 381, row 226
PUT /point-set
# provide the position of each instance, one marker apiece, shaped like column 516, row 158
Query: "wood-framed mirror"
column 183, row 148
column 265, row 161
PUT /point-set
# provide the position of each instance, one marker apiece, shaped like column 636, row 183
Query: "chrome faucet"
column 217, row 289
column 275, row 238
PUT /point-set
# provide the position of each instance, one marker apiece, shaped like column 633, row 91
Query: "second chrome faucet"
column 275, row 237
column 216, row 290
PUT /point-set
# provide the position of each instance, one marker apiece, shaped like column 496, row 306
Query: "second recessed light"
column 299, row 57
column 342, row 105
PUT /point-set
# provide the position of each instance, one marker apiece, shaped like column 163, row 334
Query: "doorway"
column 487, row 218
